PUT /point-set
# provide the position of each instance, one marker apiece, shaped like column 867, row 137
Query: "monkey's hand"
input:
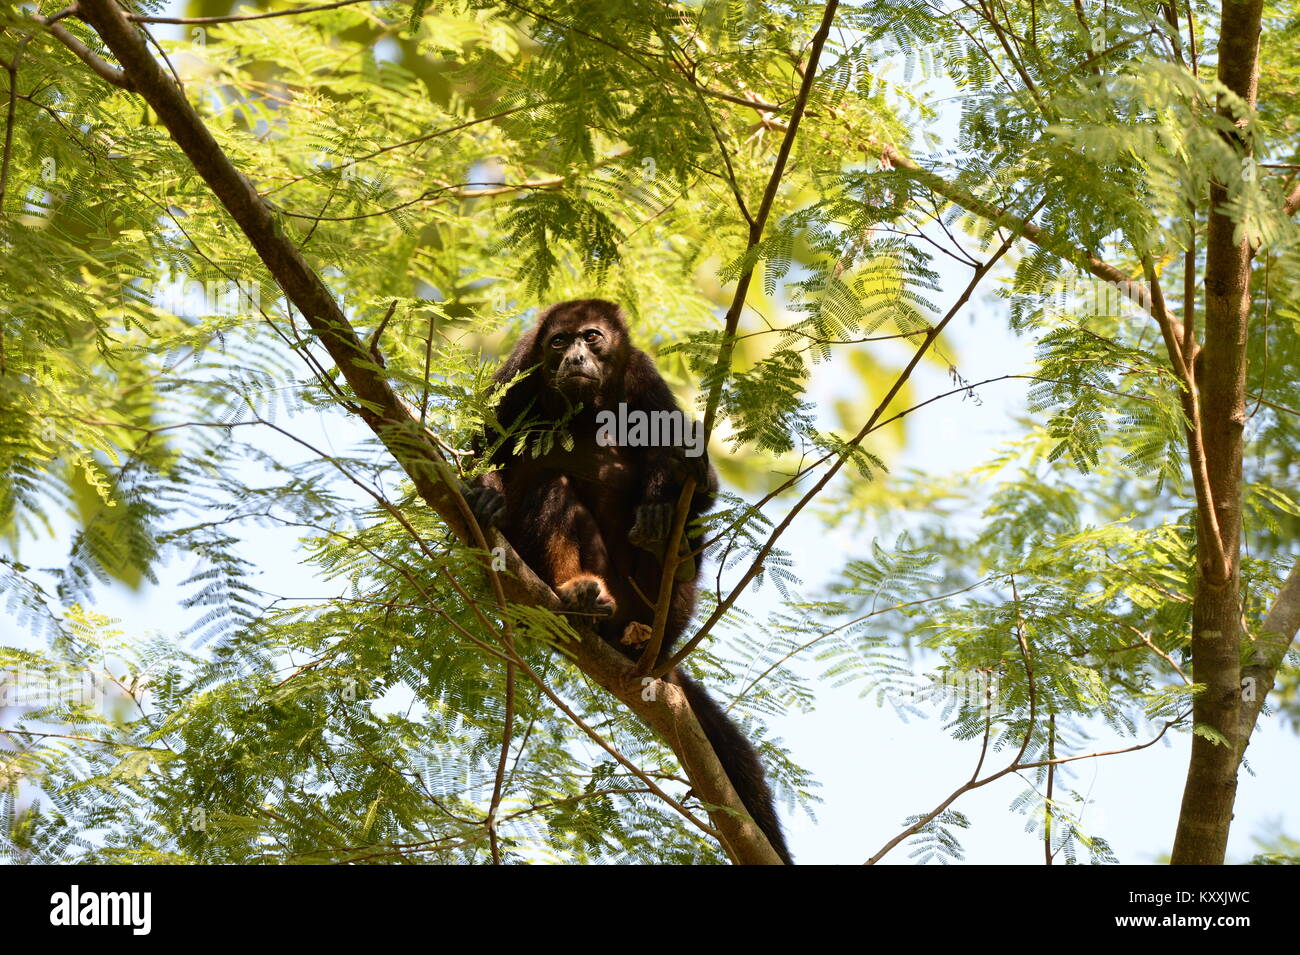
column 652, row 526
column 654, row 522
column 586, row 594
column 488, row 505
column 683, row 466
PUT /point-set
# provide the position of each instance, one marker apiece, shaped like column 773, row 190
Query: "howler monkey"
column 590, row 512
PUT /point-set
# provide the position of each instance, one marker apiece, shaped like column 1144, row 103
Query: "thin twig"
column 723, row 366
column 756, row 565
column 242, row 17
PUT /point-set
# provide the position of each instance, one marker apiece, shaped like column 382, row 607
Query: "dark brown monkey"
column 588, row 518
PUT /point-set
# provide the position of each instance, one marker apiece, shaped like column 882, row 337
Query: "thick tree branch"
column 10, row 114
column 661, row 705
column 1279, row 630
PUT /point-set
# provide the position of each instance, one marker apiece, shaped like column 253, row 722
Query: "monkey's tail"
column 739, row 760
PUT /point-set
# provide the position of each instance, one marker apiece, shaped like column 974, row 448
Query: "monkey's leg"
column 572, row 554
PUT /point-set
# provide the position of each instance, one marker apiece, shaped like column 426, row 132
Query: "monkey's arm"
column 486, row 497
column 665, row 470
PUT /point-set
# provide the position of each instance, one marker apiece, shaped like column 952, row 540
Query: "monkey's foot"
column 586, row 594
column 636, row 634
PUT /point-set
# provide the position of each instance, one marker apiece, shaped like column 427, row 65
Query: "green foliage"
column 167, row 417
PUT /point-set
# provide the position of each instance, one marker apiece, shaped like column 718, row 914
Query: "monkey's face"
column 581, row 356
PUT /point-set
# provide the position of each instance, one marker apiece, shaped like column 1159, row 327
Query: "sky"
column 875, row 769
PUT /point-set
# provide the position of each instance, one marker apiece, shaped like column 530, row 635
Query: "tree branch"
column 1034, row 233
column 1279, row 629
column 106, row 72
column 757, row 223
column 240, row 17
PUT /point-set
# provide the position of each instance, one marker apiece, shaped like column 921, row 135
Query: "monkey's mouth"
column 577, row 379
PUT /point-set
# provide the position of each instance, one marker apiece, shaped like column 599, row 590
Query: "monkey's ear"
column 514, row 404
column 523, row 357
column 646, row 388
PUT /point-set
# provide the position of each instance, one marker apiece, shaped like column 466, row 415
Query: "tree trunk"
column 1220, row 379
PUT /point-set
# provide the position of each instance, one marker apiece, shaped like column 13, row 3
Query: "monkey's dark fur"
column 586, row 520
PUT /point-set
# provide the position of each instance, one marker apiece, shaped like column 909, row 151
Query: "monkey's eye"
column 557, row 341
column 591, row 335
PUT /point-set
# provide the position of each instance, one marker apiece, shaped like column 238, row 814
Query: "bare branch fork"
column 663, row 706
